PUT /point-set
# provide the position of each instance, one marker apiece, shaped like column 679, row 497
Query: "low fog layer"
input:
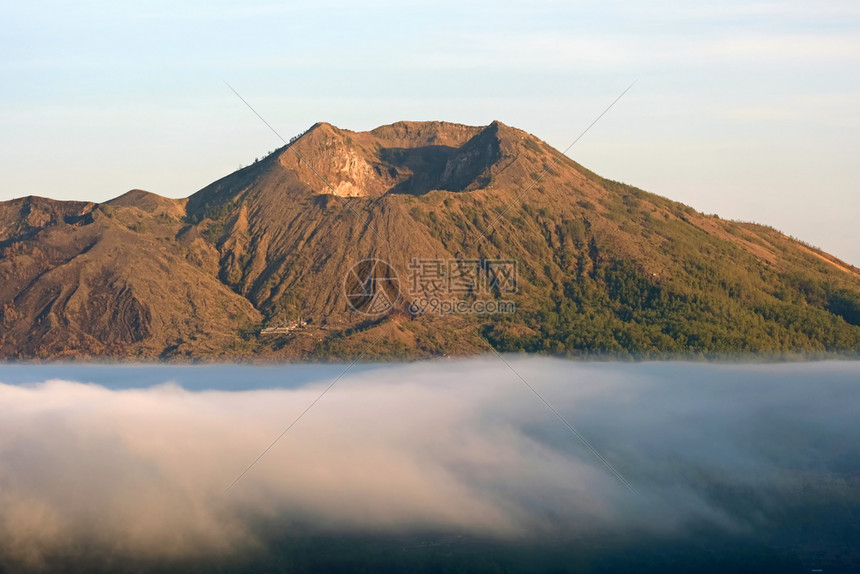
column 460, row 446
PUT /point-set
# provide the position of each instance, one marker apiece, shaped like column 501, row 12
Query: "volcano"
column 412, row 240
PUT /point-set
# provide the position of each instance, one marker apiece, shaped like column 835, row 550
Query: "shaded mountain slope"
column 116, row 282
column 601, row 266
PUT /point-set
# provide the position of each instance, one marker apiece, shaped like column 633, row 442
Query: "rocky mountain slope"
column 459, row 215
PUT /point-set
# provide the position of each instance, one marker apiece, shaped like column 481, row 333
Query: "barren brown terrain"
column 602, row 266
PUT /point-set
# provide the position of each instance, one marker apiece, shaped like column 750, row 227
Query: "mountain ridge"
column 603, row 267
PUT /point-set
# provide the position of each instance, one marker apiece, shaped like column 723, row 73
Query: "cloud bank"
column 458, row 447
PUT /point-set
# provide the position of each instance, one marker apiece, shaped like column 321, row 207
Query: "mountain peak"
column 324, row 127
column 150, row 203
column 403, row 157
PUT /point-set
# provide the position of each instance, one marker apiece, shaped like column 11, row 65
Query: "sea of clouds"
column 142, row 470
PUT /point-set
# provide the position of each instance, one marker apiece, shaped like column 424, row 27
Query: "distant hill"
column 540, row 254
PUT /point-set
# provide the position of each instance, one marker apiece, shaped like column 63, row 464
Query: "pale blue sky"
column 747, row 109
